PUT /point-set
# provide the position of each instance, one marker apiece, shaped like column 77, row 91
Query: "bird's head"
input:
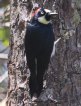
column 44, row 15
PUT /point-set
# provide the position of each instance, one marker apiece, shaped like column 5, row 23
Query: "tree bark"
column 63, row 82
column 18, row 83
column 63, row 76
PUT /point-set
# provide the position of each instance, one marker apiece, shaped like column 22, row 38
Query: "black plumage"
column 39, row 40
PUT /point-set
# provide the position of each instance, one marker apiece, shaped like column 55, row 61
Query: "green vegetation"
column 4, row 18
column 4, row 35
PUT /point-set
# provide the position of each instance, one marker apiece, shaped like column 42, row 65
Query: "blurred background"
column 4, row 45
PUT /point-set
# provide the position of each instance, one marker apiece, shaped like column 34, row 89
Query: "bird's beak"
column 53, row 13
column 50, row 12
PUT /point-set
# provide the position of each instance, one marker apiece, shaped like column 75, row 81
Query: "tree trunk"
column 18, row 83
column 63, row 75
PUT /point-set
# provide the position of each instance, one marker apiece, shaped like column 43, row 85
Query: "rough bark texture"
column 64, row 71
column 63, row 77
column 17, row 93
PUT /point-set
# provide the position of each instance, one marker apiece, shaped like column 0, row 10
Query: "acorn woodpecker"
column 39, row 40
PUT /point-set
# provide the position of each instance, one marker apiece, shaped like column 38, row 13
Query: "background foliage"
column 4, row 42
column 4, row 22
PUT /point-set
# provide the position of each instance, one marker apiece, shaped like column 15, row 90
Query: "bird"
column 38, row 41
